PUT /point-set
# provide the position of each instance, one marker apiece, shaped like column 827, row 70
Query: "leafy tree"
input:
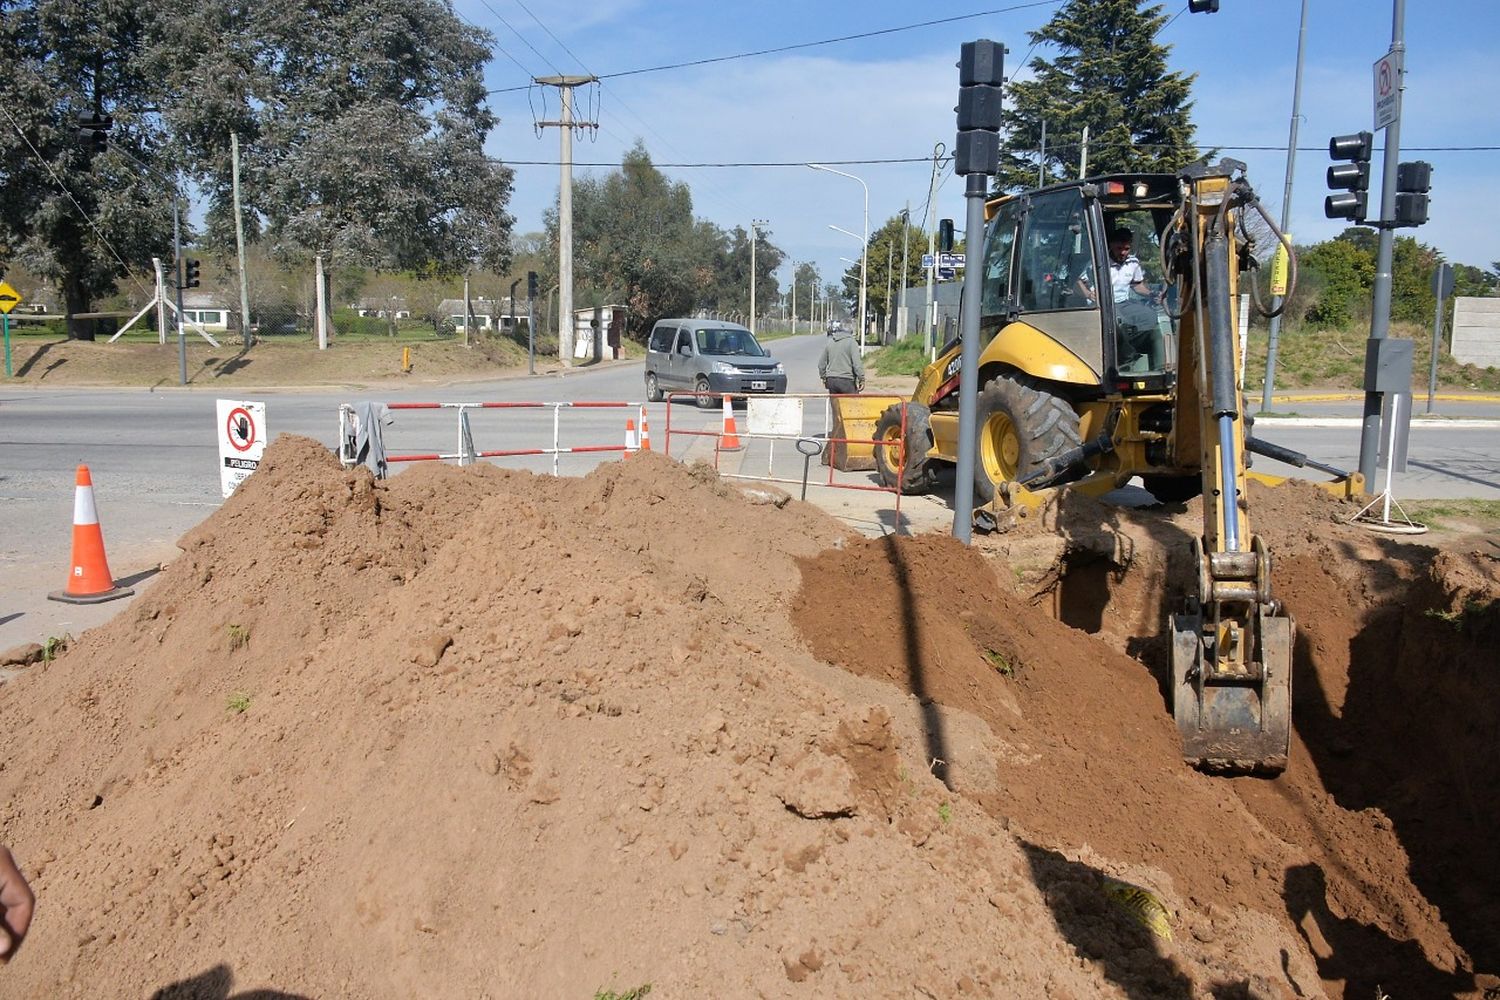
column 1110, row 74
column 361, row 125
column 79, row 219
column 1340, row 274
column 885, row 251
column 806, row 279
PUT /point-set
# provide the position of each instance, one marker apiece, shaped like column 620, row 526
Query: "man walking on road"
column 840, row 366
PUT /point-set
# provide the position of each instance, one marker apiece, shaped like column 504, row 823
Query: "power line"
column 928, row 158
column 809, row 45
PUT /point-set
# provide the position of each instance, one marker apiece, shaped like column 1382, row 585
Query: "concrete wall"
column 1476, row 331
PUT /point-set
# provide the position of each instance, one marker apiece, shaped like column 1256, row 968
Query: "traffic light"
column 1352, row 177
column 531, row 284
column 1203, row 6
column 1413, row 181
column 93, row 132
column 190, row 273
column 945, row 235
column 981, row 69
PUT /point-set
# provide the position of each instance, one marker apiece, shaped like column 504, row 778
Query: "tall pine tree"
column 1110, row 74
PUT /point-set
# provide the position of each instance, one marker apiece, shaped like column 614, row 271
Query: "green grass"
column 639, row 993
column 54, row 645
column 945, row 813
column 1306, row 357
column 1483, row 513
column 904, row 357
column 237, row 703
column 999, row 661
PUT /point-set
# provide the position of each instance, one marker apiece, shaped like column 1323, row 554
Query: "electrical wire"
column 814, row 44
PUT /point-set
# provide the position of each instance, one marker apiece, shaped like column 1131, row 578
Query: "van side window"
column 684, row 342
column 661, row 338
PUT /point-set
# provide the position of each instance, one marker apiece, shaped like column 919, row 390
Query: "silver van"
column 709, row 356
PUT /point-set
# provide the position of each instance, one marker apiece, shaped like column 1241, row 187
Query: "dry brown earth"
column 473, row 732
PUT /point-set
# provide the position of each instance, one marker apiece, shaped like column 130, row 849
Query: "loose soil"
column 474, row 732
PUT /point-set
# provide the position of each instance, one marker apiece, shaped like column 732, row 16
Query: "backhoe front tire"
column 892, row 451
column 1021, row 426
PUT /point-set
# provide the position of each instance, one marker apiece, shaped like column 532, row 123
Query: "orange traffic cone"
column 645, row 434
column 90, row 581
column 729, row 440
column 631, row 442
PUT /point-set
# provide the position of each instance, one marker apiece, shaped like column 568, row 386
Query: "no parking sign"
column 242, row 441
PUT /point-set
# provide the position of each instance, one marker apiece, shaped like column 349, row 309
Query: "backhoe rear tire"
column 892, row 450
column 1021, row 426
column 1173, row 489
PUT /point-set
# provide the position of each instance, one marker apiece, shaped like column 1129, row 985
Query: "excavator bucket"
column 1236, row 721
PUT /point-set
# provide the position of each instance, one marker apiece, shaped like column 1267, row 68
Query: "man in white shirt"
column 1135, row 320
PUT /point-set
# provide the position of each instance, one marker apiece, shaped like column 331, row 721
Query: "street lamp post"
column 861, row 262
column 755, row 225
column 864, row 257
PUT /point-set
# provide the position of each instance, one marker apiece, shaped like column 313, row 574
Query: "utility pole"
column 1380, row 316
column 565, row 125
column 1083, row 155
column 322, row 305
column 905, row 244
column 468, row 312
column 239, row 239
column 755, row 225
column 177, row 283
column 1286, row 214
column 931, row 305
column 794, row 300
column 1041, row 158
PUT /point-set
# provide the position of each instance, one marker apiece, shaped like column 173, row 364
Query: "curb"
column 1417, row 423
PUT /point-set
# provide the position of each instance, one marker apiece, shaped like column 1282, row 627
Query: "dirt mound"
column 472, row 732
column 1370, row 850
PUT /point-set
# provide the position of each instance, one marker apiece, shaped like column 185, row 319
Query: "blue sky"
column 892, row 96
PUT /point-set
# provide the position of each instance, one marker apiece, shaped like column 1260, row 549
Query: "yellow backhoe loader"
column 1108, row 351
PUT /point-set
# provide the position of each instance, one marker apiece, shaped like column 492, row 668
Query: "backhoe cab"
column 1108, row 352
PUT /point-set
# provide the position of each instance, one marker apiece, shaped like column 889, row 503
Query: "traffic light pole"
column 1274, row 338
column 177, row 284
column 1380, row 315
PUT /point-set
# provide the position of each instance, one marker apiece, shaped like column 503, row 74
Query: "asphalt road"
column 154, row 459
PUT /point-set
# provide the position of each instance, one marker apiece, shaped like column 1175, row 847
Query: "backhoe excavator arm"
column 1232, row 641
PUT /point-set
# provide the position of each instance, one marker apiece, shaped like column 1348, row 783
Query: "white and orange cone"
column 729, row 439
column 89, row 580
column 631, row 441
column 645, row 434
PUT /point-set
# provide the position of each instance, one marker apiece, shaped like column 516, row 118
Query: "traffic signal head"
column 531, row 284
column 945, row 235
column 1413, row 181
column 190, row 273
column 981, row 69
column 1203, row 6
column 1351, row 178
column 93, row 132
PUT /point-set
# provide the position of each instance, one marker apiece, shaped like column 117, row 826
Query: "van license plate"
column 757, row 385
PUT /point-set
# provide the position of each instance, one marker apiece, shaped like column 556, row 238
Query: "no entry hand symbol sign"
column 242, row 440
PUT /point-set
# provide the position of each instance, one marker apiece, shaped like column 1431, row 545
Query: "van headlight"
column 780, row 368
column 722, row 368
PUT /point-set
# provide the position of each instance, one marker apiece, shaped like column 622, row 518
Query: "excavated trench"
column 1374, row 849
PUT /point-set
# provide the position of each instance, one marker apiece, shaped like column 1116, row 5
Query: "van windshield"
column 718, row 341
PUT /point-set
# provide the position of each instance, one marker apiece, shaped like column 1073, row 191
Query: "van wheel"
column 892, row 453
column 653, row 388
column 705, row 401
column 1021, row 426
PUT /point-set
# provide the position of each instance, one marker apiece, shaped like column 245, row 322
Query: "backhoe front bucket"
column 1233, row 722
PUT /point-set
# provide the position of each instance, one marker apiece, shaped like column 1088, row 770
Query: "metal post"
column 1380, row 315
column 239, row 240
column 1041, row 158
column 755, row 225
column 530, row 335
column 1437, row 343
column 177, row 282
column 1083, row 155
column 321, row 301
column 161, row 302
column 1274, row 338
column 794, row 300
column 905, row 262
column 468, row 312
column 5, row 319
column 864, row 256
column 977, row 186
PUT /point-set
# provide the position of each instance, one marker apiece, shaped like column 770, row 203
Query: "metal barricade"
column 825, row 439
column 467, row 453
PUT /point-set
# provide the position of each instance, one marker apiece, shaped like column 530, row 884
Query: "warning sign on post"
column 242, row 441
